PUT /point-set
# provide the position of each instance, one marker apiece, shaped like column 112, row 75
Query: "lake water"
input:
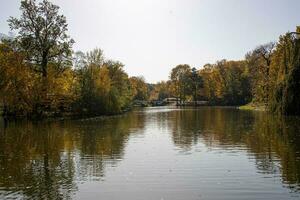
column 153, row 153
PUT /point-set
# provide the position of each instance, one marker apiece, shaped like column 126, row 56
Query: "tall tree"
column 42, row 34
column 139, row 88
column 259, row 62
column 180, row 76
column 285, row 72
column 196, row 84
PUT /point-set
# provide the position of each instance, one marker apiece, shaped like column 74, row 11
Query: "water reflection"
column 46, row 160
column 50, row 160
column 274, row 142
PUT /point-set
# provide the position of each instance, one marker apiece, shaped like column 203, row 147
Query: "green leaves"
column 42, row 35
column 103, row 86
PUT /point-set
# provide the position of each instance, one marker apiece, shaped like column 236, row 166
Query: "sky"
column 150, row 37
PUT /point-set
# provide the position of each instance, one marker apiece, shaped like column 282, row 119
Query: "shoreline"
column 64, row 117
column 251, row 106
column 82, row 117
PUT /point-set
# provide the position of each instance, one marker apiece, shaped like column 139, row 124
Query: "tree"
column 265, row 51
column 160, row 91
column 139, row 88
column 226, row 83
column 42, row 35
column 91, row 77
column 95, row 57
column 121, row 93
column 16, row 82
column 103, row 86
column 79, row 60
column 180, row 76
column 259, row 62
column 285, row 72
column 196, row 83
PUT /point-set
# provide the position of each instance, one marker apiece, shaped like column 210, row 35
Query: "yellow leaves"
column 139, row 88
column 21, row 87
column 102, row 81
column 226, row 82
column 134, row 85
column 16, row 79
column 62, row 83
column 161, row 91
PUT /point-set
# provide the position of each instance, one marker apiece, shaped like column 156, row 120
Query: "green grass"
column 252, row 106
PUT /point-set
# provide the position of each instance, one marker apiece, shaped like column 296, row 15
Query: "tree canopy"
column 42, row 35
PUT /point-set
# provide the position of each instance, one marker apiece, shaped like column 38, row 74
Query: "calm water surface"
column 153, row 153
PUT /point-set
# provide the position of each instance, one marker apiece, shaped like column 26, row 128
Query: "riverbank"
column 252, row 106
column 65, row 116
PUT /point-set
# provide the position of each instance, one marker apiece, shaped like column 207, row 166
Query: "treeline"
column 41, row 76
column 223, row 83
column 269, row 76
column 91, row 86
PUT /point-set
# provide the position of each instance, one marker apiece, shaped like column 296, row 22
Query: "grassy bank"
column 252, row 106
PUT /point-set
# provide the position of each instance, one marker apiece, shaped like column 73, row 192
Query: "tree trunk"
column 44, row 83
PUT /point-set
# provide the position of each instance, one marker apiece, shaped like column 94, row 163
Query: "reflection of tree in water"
column 184, row 130
column 188, row 126
column 277, row 140
column 31, row 161
column 45, row 160
column 273, row 142
column 103, row 142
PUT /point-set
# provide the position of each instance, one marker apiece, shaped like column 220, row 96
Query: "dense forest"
column 268, row 77
column 40, row 75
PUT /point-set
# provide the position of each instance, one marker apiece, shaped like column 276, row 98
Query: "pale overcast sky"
column 152, row 36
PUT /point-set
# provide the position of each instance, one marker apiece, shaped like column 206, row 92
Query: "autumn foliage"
column 40, row 75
